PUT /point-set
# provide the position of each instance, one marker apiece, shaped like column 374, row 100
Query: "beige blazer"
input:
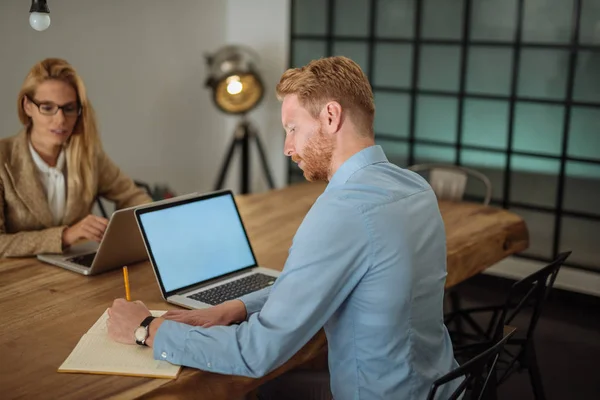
column 26, row 226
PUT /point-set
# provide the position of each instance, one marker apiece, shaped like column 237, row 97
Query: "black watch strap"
column 145, row 323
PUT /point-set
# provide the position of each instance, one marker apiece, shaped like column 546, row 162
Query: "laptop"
column 200, row 251
column 121, row 245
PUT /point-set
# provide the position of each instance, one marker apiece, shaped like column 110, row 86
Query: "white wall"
column 264, row 26
column 143, row 64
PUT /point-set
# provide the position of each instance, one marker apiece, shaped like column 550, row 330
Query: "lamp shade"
column 234, row 79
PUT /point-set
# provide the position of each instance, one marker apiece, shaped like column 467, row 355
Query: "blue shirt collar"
column 370, row 155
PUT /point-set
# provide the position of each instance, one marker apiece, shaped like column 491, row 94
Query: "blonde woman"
column 53, row 169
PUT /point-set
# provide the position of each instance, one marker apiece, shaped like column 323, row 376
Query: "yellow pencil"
column 126, row 278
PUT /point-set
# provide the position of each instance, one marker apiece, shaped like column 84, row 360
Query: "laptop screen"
column 196, row 240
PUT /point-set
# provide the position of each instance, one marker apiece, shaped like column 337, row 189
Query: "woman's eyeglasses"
column 47, row 108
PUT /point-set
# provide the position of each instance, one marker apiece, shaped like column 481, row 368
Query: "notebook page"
column 96, row 353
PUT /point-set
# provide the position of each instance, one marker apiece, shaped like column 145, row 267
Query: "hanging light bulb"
column 39, row 15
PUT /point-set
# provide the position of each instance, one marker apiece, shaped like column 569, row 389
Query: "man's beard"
column 316, row 161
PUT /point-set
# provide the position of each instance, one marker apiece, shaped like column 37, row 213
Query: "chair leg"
column 455, row 308
column 534, row 372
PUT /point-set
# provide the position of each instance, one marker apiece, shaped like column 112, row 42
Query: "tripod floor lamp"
column 237, row 89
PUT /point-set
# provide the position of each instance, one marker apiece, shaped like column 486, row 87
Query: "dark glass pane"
column 534, row 180
column 541, row 231
column 439, row 67
column 442, row 19
column 392, row 113
column 425, row 153
column 393, row 65
column 308, row 50
column 490, row 164
column 310, row 17
column 493, row 20
column 582, row 187
column 587, row 78
column 547, row 21
column 436, row 118
column 485, row 123
column 396, row 152
column 584, row 135
column 581, row 237
column 352, row 17
column 543, row 73
column 395, row 18
column 489, row 70
column 538, row 128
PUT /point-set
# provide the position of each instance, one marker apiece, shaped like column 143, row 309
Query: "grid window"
column 584, row 135
column 308, row 50
column 442, row 19
column 439, row 67
column 392, row 65
column 512, row 114
column 543, row 73
column 493, row 20
column 489, row 70
column 538, row 128
column 436, row 118
column 310, row 17
column 582, row 187
column 534, row 180
column 485, row 123
column 395, row 18
column 391, row 113
column 351, row 18
column 581, row 236
column 547, row 21
column 356, row 51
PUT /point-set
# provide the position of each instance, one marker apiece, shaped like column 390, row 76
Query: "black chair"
column 529, row 293
column 140, row 184
column 478, row 372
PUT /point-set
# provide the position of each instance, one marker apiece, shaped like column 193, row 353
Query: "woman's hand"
column 91, row 227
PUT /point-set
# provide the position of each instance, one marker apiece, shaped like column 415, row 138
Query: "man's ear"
column 332, row 117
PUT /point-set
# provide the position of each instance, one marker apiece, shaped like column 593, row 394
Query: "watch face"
column 140, row 333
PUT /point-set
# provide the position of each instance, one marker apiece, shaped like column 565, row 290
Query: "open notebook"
column 96, row 353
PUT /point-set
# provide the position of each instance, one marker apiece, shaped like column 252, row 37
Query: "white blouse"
column 54, row 182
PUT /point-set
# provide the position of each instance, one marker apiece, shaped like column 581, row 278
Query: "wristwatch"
column 141, row 333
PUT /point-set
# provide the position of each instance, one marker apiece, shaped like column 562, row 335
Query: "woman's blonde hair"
column 84, row 141
column 332, row 79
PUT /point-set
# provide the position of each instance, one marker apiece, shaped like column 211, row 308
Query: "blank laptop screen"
column 197, row 241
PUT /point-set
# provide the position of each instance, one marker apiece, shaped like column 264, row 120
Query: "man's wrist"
column 236, row 311
column 152, row 329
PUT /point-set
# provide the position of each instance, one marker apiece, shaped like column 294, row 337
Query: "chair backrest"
column 449, row 181
column 477, row 372
column 530, row 292
column 139, row 184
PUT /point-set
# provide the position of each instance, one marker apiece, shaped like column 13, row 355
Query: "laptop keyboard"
column 86, row 260
column 235, row 289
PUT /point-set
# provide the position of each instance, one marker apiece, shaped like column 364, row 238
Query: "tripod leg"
column 263, row 159
column 245, row 162
column 226, row 163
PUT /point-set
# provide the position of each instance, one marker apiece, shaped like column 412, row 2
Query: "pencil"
column 126, row 278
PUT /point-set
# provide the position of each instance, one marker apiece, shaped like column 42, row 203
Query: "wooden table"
column 44, row 310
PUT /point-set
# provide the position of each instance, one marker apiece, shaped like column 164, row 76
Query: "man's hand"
column 91, row 227
column 222, row 314
column 123, row 318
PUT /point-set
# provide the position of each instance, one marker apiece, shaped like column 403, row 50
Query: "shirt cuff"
column 255, row 301
column 169, row 342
